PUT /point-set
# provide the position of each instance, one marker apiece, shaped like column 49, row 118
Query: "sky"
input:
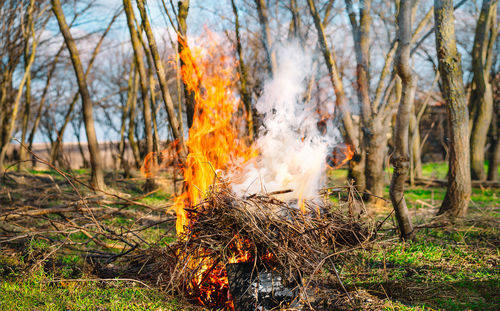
column 213, row 14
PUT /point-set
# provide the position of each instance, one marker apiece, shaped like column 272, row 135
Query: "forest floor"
column 56, row 236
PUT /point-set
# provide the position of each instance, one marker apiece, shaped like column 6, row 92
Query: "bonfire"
column 233, row 244
column 252, row 227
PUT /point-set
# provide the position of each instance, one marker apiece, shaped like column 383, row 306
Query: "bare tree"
column 458, row 191
column 55, row 152
column 160, row 71
column 481, row 100
column 376, row 108
column 245, row 95
column 27, row 97
column 494, row 159
column 357, row 165
column 144, row 83
column 97, row 175
column 182, row 14
column 9, row 114
column 400, row 157
column 266, row 36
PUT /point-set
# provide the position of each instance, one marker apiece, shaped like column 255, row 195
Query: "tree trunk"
column 39, row 112
column 55, row 151
column 415, row 155
column 400, row 158
column 53, row 67
column 295, row 25
column 494, row 159
column 8, row 126
column 376, row 147
column 458, row 192
column 182, row 14
column 372, row 124
column 125, row 112
column 357, row 164
column 97, row 175
column 154, row 110
column 144, row 83
column 77, row 133
column 481, row 100
column 415, row 143
column 162, row 79
column 266, row 36
column 245, row 95
column 23, row 156
column 132, row 96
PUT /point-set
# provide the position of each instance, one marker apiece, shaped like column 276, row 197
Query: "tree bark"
column 376, row 150
column 125, row 113
column 295, row 25
column 415, row 155
column 481, row 100
column 373, row 139
column 97, row 175
column 400, row 158
column 494, row 159
column 160, row 71
column 132, row 97
column 458, row 192
column 415, row 143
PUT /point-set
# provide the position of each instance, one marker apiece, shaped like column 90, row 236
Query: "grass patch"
column 439, row 170
column 450, row 268
column 157, row 198
column 39, row 292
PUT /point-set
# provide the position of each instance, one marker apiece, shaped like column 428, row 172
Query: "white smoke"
column 292, row 152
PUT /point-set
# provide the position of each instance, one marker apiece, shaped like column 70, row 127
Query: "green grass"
column 40, row 292
column 81, row 171
column 439, row 170
column 449, row 268
column 156, row 198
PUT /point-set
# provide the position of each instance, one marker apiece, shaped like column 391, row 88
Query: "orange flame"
column 341, row 155
column 213, row 141
column 213, row 145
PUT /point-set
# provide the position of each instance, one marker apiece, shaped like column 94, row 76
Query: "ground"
column 57, row 260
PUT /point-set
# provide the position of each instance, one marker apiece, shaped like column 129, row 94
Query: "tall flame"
column 213, row 142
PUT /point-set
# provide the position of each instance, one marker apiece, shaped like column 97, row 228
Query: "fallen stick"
column 444, row 183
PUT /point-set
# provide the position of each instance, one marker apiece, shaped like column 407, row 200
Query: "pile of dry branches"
column 272, row 234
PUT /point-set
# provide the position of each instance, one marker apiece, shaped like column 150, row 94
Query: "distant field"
column 72, row 154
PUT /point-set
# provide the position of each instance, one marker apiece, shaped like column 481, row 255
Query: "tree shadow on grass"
column 467, row 294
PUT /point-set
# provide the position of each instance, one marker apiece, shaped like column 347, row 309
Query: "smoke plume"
column 292, row 151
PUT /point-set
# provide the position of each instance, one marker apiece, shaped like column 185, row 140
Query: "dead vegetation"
column 128, row 236
column 224, row 228
column 261, row 230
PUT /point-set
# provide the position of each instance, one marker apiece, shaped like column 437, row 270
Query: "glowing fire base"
column 265, row 234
